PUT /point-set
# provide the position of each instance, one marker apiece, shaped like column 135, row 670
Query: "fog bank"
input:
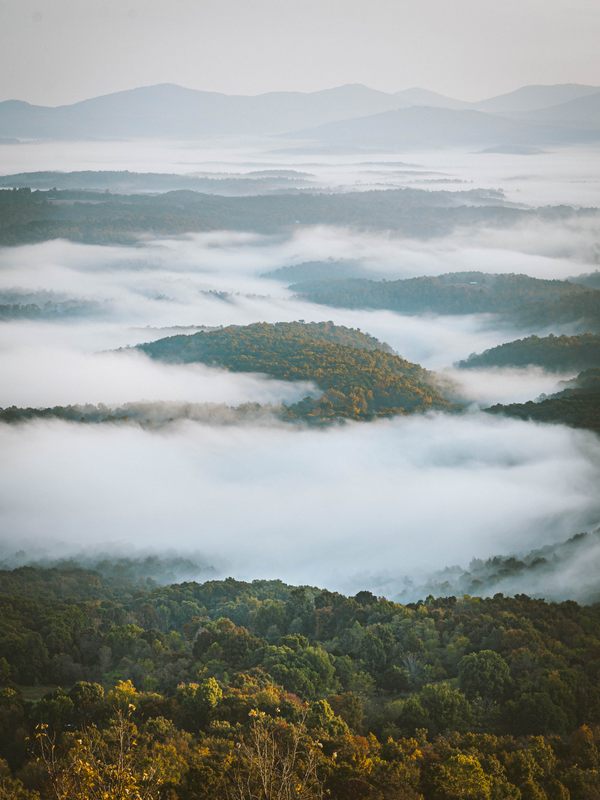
column 345, row 508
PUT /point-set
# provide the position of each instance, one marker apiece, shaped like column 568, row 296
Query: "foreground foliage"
column 236, row 690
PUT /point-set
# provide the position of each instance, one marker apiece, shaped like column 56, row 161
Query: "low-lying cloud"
column 347, row 508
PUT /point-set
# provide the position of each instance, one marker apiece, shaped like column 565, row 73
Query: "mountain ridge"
column 171, row 110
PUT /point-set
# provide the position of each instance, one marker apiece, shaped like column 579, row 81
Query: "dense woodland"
column 262, row 690
column 27, row 217
column 553, row 353
column 518, row 298
column 359, row 376
column 577, row 406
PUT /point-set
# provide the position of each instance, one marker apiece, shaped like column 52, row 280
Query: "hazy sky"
column 59, row 51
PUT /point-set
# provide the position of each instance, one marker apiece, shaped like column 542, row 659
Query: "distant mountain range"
column 573, row 121
column 353, row 115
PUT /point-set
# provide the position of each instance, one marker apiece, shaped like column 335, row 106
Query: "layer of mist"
column 349, row 507
column 565, row 176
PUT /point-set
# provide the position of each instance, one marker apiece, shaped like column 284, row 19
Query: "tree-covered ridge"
column 530, row 301
column 196, row 691
column 359, row 377
column 577, row 406
column 81, row 216
column 557, row 353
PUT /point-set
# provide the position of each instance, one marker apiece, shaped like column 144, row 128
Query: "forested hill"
column 359, row 376
column 191, row 691
column 522, row 299
column 100, row 218
column 556, row 353
column 578, row 405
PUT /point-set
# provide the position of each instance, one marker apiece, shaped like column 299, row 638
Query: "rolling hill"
column 360, row 377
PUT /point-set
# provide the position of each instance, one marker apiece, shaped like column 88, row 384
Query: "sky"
column 59, row 51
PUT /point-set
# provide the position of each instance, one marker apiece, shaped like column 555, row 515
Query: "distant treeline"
column 518, row 298
column 149, row 415
column 125, row 182
column 51, row 311
column 34, row 216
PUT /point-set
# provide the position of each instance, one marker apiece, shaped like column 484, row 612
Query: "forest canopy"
column 176, row 691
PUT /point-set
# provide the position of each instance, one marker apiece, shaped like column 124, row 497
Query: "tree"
column 461, row 777
column 275, row 761
column 115, row 763
column 484, row 674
